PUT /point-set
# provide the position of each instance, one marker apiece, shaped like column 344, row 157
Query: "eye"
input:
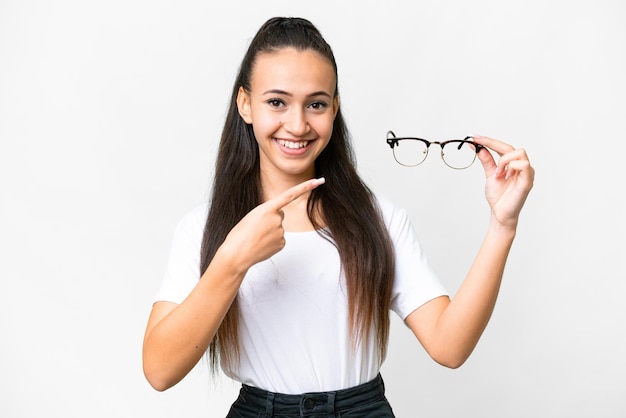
column 318, row 105
column 275, row 102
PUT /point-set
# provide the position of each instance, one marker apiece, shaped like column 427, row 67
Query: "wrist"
column 229, row 261
column 504, row 229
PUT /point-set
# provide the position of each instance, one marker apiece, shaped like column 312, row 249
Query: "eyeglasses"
column 455, row 153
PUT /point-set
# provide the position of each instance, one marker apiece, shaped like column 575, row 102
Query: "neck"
column 296, row 218
column 274, row 184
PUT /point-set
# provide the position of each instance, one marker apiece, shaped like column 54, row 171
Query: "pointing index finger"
column 295, row 192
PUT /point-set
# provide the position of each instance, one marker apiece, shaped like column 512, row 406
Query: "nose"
column 296, row 123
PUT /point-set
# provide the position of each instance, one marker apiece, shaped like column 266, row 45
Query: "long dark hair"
column 349, row 210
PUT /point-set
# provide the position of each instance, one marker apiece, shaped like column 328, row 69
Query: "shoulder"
column 197, row 213
column 191, row 224
column 385, row 204
column 391, row 213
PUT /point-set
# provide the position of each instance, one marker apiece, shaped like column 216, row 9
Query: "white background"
column 110, row 114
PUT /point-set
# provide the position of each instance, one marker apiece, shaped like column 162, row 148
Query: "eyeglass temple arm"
column 478, row 147
column 391, row 141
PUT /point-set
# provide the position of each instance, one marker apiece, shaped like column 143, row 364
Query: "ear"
column 243, row 105
column 335, row 105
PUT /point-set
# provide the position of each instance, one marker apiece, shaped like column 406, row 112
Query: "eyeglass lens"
column 456, row 154
column 410, row 152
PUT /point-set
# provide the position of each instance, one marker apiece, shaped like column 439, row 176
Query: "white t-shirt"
column 293, row 332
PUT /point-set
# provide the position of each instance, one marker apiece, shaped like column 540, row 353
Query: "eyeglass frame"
column 468, row 139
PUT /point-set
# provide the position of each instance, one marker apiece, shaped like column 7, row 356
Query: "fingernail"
column 320, row 180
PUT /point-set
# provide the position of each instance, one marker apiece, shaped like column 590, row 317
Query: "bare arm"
column 450, row 329
column 177, row 336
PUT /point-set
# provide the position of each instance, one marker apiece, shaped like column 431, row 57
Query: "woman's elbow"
column 158, row 383
column 158, row 378
column 450, row 360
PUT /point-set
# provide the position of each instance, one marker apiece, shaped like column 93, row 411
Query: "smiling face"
column 291, row 106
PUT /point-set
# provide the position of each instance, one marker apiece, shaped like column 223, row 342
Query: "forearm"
column 450, row 329
column 177, row 339
column 461, row 324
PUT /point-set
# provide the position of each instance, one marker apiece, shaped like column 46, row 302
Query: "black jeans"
column 364, row 401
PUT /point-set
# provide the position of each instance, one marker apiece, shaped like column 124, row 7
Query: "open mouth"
column 292, row 144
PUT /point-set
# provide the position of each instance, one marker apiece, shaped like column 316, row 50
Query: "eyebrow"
column 282, row 92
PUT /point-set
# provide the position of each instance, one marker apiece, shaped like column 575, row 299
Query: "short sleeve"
column 415, row 283
column 183, row 267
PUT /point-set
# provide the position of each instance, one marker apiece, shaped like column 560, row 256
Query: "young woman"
column 288, row 275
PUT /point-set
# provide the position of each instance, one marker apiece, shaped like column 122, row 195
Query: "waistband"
column 315, row 402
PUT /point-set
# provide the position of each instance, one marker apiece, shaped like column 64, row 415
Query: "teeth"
column 293, row 145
